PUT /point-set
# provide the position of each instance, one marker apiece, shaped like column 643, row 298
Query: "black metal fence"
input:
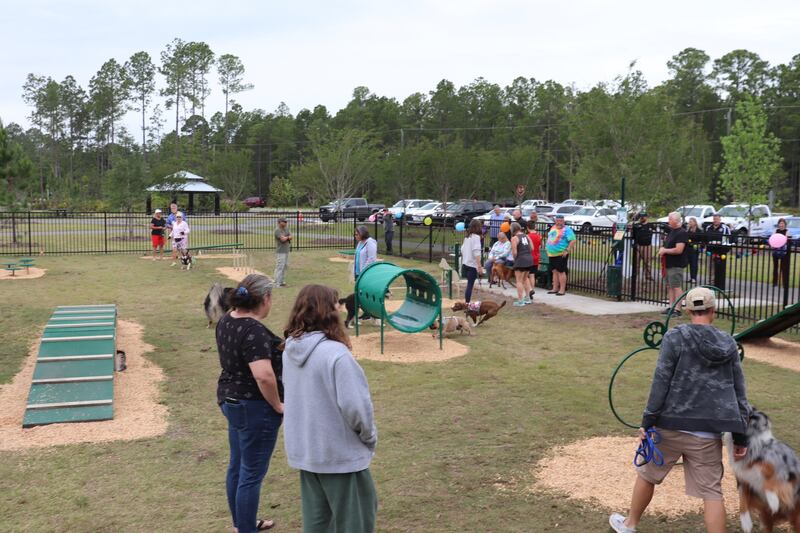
column 32, row 233
column 759, row 283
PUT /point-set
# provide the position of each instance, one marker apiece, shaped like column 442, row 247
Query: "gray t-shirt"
column 282, row 247
column 388, row 223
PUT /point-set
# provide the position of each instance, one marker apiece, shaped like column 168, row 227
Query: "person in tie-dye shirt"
column 560, row 242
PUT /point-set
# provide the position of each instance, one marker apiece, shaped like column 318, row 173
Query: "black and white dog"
column 216, row 304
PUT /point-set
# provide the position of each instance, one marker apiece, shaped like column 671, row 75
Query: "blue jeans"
column 252, row 431
column 472, row 275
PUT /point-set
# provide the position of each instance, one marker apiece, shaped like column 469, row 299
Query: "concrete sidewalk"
column 573, row 302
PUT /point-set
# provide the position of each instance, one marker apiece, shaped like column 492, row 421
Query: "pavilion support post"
column 149, row 204
column 216, row 204
column 191, row 203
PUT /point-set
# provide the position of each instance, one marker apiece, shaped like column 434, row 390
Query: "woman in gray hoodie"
column 329, row 429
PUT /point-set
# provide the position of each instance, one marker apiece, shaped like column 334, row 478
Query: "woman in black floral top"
column 250, row 393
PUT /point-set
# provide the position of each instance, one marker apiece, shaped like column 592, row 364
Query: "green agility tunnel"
column 421, row 307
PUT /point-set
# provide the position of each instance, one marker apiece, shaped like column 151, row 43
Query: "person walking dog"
column 698, row 392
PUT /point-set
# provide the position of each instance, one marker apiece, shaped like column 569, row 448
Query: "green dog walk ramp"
column 74, row 376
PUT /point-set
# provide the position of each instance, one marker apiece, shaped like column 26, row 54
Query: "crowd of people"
column 683, row 246
column 516, row 243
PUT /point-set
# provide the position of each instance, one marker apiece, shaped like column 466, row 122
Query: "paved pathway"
column 574, row 302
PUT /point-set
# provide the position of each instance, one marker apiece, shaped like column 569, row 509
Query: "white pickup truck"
column 744, row 220
column 700, row 212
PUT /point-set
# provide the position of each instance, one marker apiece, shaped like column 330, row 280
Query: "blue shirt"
column 495, row 221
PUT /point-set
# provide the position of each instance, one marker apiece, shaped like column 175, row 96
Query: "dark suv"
column 464, row 211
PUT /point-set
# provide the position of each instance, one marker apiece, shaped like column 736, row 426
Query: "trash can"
column 614, row 280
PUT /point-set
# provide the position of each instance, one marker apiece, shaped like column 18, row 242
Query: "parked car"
column 417, row 216
column 590, row 218
column 255, row 201
column 573, row 201
column 463, row 211
column 404, row 206
column 700, row 212
column 348, row 208
column 531, row 203
column 747, row 220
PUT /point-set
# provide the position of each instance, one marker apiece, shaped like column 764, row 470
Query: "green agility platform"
column 421, row 307
column 769, row 327
column 73, row 380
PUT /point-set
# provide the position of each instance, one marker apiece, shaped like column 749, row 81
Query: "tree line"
column 717, row 130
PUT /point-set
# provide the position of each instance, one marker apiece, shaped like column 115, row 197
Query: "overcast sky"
column 306, row 53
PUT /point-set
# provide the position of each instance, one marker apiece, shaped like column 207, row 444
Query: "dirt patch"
column 340, row 260
column 238, row 274
column 403, row 347
column 600, row 471
column 777, row 352
column 26, row 273
column 137, row 411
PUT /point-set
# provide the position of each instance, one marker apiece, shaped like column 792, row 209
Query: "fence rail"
column 759, row 284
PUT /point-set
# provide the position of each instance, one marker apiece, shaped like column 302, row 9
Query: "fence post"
column 297, row 229
column 235, row 226
column 400, row 223
column 635, row 267
column 30, row 237
column 355, row 226
column 430, row 243
column 105, row 232
column 377, row 242
column 787, row 277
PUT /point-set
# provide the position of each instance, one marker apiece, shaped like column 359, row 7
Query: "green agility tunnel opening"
column 422, row 304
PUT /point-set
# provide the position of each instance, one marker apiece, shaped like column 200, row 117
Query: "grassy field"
column 457, row 440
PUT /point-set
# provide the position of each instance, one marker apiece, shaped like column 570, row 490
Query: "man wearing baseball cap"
column 698, row 392
column 283, row 244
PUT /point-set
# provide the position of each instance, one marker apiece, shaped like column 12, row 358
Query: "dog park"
column 507, row 428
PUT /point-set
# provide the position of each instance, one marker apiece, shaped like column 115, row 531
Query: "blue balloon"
column 460, row 226
column 398, row 215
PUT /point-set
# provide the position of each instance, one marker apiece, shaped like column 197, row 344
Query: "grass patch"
column 458, row 440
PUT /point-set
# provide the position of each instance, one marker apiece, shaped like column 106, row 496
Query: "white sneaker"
column 617, row 523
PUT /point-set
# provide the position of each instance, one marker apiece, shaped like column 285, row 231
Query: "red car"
column 255, row 201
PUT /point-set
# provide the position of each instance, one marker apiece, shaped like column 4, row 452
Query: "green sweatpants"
column 338, row 503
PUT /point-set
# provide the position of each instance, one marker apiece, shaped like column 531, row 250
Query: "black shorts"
column 531, row 269
column 559, row 263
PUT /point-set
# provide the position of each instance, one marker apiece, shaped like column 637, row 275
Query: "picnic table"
column 11, row 266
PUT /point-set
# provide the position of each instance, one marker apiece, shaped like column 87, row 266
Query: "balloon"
column 427, row 221
column 398, row 215
column 777, row 240
column 708, row 253
column 505, row 227
column 372, row 217
column 460, row 226
column 722, row 257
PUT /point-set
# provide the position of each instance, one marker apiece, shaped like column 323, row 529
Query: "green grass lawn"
column 450, row 433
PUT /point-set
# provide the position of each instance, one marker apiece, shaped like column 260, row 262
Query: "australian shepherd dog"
column 768, row 477
column 216, row 304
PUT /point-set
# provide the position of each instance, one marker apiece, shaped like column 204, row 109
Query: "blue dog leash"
column 648, row 451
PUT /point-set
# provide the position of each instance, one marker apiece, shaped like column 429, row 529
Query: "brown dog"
column 501, row 275
column 453, row 324
column 485, row 310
